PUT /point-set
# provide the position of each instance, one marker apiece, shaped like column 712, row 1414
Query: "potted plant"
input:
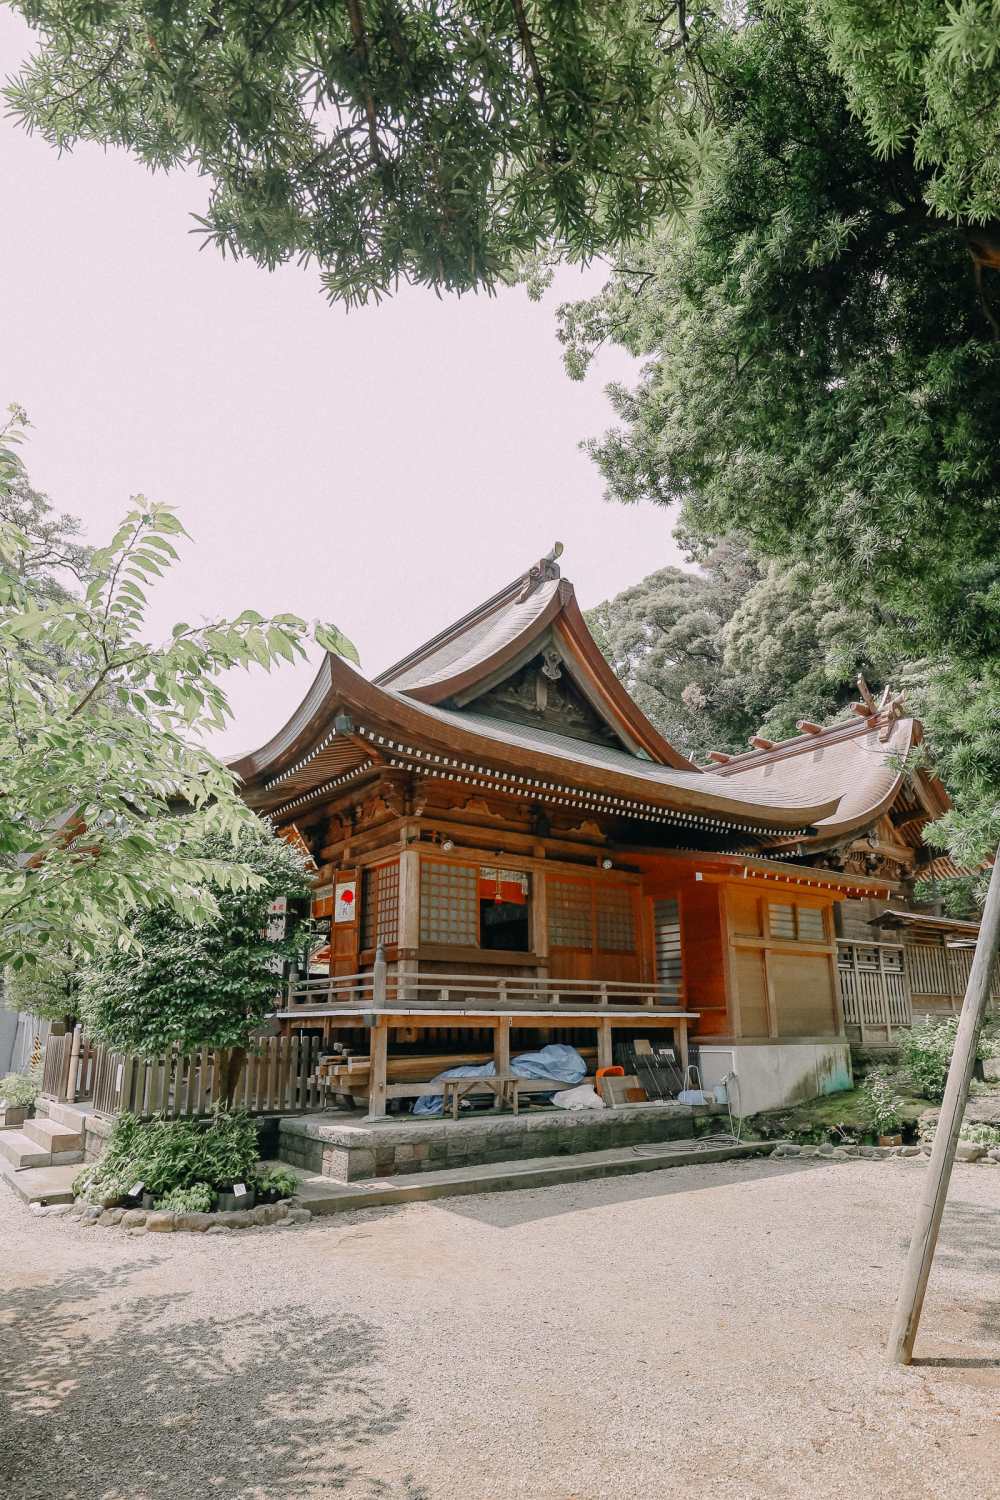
column 883, row 1107
column 17, row 1096
column 274, row 1183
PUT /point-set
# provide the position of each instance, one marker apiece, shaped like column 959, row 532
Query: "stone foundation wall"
column 384, row 1148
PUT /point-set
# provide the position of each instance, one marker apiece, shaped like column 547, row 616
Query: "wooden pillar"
column 379, row 1069
column 501, row 1052
column 605, row 1053
column 409, row 919
column 682, row 1048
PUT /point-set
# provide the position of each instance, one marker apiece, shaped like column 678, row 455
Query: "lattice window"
column 667, row 936
column 449, row 903
column 615, row 919
column 570, row 923
column 783, row 922
column 803, row 924
column 380, row 911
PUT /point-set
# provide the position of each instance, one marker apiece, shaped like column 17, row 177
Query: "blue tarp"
column 561, row 1063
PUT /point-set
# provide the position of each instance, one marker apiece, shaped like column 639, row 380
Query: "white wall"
column 776, row 1074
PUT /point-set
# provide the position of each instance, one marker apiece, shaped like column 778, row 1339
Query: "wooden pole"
column 925, row 1233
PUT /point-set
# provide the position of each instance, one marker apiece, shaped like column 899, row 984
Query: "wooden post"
column 604, row 1048
column 501, row 1054
column 377, row 1076
column 74, row 1063
column 925, row 1233
column 378, row 1071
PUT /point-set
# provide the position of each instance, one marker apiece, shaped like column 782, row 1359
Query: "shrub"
column 197, row 1199
column 18, row 1090
column 165, row 1155
column 926, row 1056
column 882, row 1101
column 277, row 1180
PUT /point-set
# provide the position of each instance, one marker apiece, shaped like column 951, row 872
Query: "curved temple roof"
column 347, row 725
column 432, row 712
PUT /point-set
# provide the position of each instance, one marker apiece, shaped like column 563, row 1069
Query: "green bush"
column 197, row 1199
column 277, row 1180
column 17, row 1090
column 882, row 1101
column 166, row 1155
column 926, row 1054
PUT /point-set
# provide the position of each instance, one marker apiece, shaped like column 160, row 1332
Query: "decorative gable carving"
column 542, row 695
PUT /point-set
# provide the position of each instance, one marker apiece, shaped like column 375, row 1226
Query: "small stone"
column 58, row 1210
column 299, row 1215
column 970, row 1151
column 908, row 1151
column 235, row 1218
column 994, row 1155
column 195, row 1223
column 218, row 1229
column 850, row 1151
column 136, row 1229
column 161, row 1222
column 133, row 1218
column 88, row 1223
column 838, row 1153
column 809, row 1151
column 827, row 1152
column 111, row 1216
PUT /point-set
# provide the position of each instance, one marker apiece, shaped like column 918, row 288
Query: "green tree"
column 47, row 988
column 822, row 370
column 734, row 649
column 106, row 794
column 210, row 983
column 822, row 366
column 381, row 138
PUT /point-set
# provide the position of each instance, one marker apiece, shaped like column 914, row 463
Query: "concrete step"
column 21, row 1151
column 53, row 1135
column 45, row 1185
column 71, row 1116
column 321, row 1195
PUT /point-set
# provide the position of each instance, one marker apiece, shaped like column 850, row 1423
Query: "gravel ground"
column 708, row 1331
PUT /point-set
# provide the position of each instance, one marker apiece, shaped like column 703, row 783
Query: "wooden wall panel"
column 704, row 959
column 803, row 993
column 745, row 911
column 751, row 981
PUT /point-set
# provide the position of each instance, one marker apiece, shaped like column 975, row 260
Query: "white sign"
column 345, row 901
column 276, row 919
column 239, row 1189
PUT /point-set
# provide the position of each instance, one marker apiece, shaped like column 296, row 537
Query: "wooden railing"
column 277, row 1077
column 874, row 988
column 455, row 992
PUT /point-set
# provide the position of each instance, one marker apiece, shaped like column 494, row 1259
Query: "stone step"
column 46, row 1185
column 71, row 1116
column 322, row 1195
column 53, row 1135
column 21, row 1151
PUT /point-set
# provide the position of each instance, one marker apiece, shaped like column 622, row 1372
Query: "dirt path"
column 709, row 1331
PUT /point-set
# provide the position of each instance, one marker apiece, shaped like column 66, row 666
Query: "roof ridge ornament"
column 545, row 570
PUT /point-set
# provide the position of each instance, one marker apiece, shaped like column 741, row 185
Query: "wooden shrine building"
column 538, row 863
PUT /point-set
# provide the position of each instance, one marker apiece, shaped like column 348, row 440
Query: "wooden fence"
column 278, row 1078
column 56, row 1067
column 874, row 989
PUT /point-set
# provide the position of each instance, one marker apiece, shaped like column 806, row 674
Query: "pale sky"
column 385, row 468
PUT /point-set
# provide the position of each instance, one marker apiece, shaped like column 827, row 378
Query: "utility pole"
column 925, row 1233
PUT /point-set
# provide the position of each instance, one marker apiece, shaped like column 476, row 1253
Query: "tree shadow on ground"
column 525, row 1205
column 107, row 1397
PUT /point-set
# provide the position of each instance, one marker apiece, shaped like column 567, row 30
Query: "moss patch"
column 826, row 1118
